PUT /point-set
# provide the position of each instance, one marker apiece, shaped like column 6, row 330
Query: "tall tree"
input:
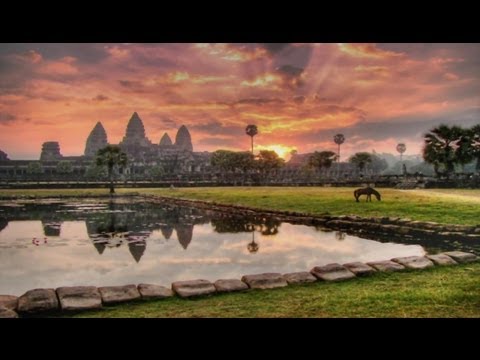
column 321, row 160
column 360, row 160
column 224, row 160
column 465, row 150
column 251, row 130
column 440, row 147
column 401, row 148
column 111, row 156
column 339, row 139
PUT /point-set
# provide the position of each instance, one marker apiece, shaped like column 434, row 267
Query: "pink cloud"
column 335, row 87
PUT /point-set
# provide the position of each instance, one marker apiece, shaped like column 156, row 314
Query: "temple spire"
column 183, row 140
column 96, row 140
column 165, row 140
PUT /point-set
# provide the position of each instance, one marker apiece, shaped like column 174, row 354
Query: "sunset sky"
column 299, row 95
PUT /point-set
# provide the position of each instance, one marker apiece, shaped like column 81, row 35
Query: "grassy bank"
column 454, row 207
column 444, row 206
column 438, row 292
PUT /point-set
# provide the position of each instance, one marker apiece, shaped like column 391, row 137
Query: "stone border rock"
column 41, row 301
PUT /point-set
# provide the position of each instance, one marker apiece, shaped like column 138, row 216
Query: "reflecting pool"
column 98, row 242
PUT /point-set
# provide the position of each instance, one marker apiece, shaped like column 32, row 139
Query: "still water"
column 129, row 241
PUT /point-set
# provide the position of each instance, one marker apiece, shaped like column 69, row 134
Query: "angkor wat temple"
column 172, row 158
column 165, row 162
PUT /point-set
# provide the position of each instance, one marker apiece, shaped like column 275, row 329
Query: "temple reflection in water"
column 120, row 223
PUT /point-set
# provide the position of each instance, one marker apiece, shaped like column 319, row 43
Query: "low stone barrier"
column 359, row 268
column 193, row 288
column 265, row 281
column 332, row 272
column 117, row 294
column 229, row 285
column 39, row 301
column 79, row 298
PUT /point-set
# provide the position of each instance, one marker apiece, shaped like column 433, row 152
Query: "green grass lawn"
column 439, row 292
column 450, row 206
column 426, row 205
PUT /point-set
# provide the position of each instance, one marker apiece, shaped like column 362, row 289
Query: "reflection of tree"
column 52, row 228
column 268, row 226
column 231, row 225
column 111, row 230
column 253, row 246
column 340, row 235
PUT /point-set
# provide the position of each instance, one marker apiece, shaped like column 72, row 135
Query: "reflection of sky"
column 71, row 259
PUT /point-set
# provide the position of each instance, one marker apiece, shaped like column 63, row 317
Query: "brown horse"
column 367, row 191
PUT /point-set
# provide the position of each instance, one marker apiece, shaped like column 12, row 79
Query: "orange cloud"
column 367, row 51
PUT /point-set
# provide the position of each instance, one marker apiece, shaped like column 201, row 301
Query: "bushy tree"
column 64, row 167
column 361, row 160
column 268, row 160
column 441, row 148
column 322, row 160
column 156, row 172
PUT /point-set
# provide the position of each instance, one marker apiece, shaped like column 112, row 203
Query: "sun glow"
column 282, row 150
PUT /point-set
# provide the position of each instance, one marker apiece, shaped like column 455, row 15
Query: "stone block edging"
column 80, row 298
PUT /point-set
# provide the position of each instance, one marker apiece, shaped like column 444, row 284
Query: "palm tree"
column 110, row 156
column 440, row 147
column 401, row 148
column 465, row 148
column 361, row 159
column 339, row 140
column 251, row 131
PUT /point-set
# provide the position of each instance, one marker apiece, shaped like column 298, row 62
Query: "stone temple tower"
column 183, row 140
column 135, row 134
column 96, row 140
column 165, row 140
column 50, row 151
column 3, row 156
